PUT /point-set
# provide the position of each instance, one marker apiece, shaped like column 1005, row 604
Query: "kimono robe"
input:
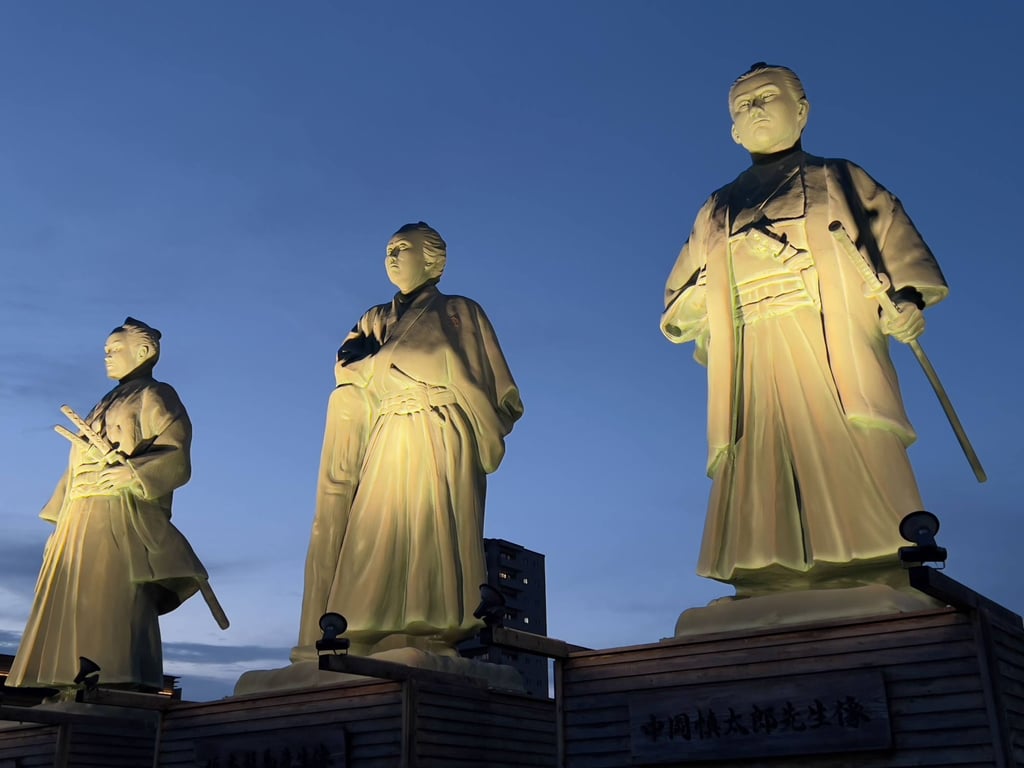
column 114, row 562
column 806, row 426
column 424, row 401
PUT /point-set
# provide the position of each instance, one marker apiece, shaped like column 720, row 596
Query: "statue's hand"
column 96, row 456
column 86, row 477
column 118, row 477
column 906, row 326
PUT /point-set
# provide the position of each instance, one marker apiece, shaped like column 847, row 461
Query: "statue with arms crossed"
column 418, row 419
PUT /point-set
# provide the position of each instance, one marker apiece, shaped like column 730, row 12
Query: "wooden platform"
column 373, row 724
column 942, row 687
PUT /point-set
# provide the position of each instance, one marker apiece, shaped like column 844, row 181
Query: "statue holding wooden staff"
column 806, row 427
column 115, row 562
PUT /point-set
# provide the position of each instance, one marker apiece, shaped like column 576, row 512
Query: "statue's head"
column 769, row 109
column 132, row 346
column 416, row 253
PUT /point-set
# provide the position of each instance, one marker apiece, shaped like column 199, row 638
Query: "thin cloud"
column 39, row 376
column 201, row 653
column 9, row 641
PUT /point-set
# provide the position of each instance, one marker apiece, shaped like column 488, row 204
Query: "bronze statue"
column 806, row 427
column 114, row 561
column 423, row 403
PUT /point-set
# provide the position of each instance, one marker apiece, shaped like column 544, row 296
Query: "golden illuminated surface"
column 114, row 561
column 807, row 433
column 423, row 403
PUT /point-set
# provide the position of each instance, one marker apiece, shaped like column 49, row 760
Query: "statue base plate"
column 397, row 664
column 730, row 614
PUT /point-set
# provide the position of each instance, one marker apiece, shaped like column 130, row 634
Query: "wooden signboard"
column 805, row 714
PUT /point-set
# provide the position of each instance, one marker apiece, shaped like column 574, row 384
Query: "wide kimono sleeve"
column 360, row 345
column 483, row 379
column 51, row 511
column 161, row 457
column 686, row 301
column 898, row 248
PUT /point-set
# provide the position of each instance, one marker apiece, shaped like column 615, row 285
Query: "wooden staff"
column 878, row 286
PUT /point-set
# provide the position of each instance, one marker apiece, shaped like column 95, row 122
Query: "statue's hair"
column 142, row 333
column 789, row 77
column 435, row 250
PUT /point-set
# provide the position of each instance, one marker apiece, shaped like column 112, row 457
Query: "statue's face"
column 405, row 262
column 766, row 116
column 123, row 354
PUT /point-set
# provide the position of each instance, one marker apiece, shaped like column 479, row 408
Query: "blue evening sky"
column 230, row 172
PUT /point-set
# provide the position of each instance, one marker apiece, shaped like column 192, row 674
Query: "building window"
column 525, row 580
column 526, row 619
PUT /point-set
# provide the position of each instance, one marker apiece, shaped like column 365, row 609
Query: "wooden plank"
column 961, row 737
column 973, row 701
column 911, row 623
column 285, row 719
column 434, row 707
column 440, row 732
column 228, row 714
column 495, row 730
column 275, row 699
column 939, row 585
column 558, row 667
column 517, row 706
column 712, row 656
column 598, row 715
column 949, row 720
column 468, row 740
column 905, row 646
column 955, row 664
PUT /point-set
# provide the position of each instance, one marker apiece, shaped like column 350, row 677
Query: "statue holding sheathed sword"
column 114, row 561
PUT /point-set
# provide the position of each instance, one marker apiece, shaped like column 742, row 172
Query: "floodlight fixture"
column 88, row 673
column 492, row 606
column 333, row 625
column 920, row 528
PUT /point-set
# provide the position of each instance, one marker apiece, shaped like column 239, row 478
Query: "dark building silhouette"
column 519, row 574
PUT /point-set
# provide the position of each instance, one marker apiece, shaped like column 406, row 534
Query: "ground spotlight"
column 333, row 625
column 88, row 673
column 492, row 606
column 920, row 528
